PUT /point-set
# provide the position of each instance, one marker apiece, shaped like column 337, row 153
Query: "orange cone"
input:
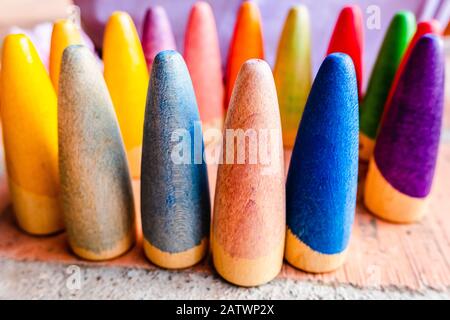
column 247, row 43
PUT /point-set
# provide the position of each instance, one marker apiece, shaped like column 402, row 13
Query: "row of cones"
column 68, row 152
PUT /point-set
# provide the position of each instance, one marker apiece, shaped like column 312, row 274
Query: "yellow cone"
column 127, row 78
column 65, row 33
column 29, row 119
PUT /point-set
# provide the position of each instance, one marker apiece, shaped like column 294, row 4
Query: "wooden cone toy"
column 395, row 43
column 402, row 169
column 246, row 43
column 64, row 34
column 292, row 71
column 29, row 123
column 96, row 193
column 127, row 78
column 249, row 210
column 323, row 174
column 423, row 28
column 157, row 34
column 175, row 204
column 202, row 55
column 348, row 38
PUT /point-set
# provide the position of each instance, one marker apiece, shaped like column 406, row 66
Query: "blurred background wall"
column 94, row 13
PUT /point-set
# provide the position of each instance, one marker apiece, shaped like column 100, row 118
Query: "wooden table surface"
column 381, row 254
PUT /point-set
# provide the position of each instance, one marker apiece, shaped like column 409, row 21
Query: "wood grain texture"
column 246, row 43
column 202, row 55
column 395, row 44
column 407, row 146
column 157, row 34
column 292, row 71
column 29, row 123
column 175, row 196
column 64, row 34
column 322, row 179
column 249, row 207
column 381, row 255
column 127, row 78
column 96, row 192
column 348, row 38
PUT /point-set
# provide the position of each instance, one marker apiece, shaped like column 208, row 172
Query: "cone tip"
column 16, row 39
column 121, row 17
column 60, row 23
column 155, row 11
column 171, row 58
column 298, row 9
column 351, row 9
column 166, row 54
column 403, row 14
column 17, row 43
column 201, row 6
column 339, row 59
column 74, row 50
column 429, row 26
column 249, row 6
column 255, row 65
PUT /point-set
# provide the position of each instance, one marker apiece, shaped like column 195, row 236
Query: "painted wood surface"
column 175, row 208
column 96, row 195
column 202, row 55
column 127, row 78
column 64, row 34
column 395, row 44
column 246, row 43
column 292, row 71
column 402, row 170
column 156, row 34
column 29, row 123
column 348, row 38
column 249, row 214
column 322, row 178
column 423, row 28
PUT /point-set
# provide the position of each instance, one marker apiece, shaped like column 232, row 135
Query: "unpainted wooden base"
column 134, row 157
column 383, row 200
column 36, row 214
column 301, row 256
column 120, row 248
column 366, row 147
column 247, row 272
column 179, row 260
